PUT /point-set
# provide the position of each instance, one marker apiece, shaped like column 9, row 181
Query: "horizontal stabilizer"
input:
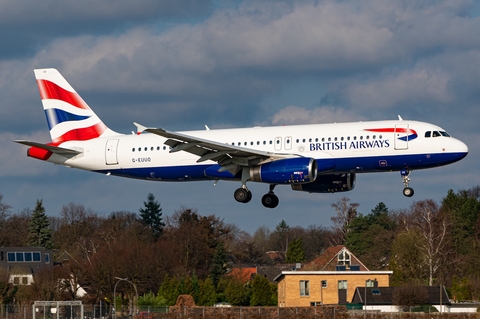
column 54, row 149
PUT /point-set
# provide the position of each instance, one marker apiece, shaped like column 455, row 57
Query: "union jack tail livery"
column 317, row 158
column 69, row 117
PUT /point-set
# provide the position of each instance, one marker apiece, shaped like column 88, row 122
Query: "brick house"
column 331, row 278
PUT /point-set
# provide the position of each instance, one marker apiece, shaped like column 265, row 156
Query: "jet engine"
column 331, row 183
column 285, row 171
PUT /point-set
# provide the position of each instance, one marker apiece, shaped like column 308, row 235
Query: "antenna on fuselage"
column 400, row 118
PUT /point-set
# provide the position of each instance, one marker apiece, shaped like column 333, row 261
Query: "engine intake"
column 286, row 171
column 331, row 183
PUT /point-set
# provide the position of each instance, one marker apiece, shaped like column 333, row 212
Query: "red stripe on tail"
column 50, row 90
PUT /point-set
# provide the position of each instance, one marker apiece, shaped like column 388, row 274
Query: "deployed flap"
column 54, row 149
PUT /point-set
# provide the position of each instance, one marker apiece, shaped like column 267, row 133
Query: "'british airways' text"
column 335, row 146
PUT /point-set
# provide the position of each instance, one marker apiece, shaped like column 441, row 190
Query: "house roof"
column 328, row 260
column 271, row 272
column 243, row 274
column 384, row 295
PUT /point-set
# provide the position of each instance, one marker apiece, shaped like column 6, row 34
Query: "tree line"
column 428, row 243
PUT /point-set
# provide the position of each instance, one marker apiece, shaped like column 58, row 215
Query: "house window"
column 342, row 284
column 344, row 258
column 19, row 256
column 47, row 258
column 370, row 283
column 24, row 280
column 324, row 284
column 36, row 256
column 304, row 288
column 10, row 257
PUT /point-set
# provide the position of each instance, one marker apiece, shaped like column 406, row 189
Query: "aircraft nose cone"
column 462, row 148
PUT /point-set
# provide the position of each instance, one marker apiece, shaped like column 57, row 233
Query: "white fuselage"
column 359, row 147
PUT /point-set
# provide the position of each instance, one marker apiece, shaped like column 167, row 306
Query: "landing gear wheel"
column 408, row 191
column 242, row 195
column 270, row 200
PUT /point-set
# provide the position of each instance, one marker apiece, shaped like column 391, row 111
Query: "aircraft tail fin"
column 69, row 118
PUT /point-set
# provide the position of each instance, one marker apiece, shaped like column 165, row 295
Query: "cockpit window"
column 444, row 134
column 428, row 134
column 436, row 134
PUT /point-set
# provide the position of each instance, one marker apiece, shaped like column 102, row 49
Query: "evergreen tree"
column 295, row 252
column 208, row 297
column 219, row 264
column 151, row 216
column 370, row 237
column 39, row 231
column 279, row 237
column 237, row 293
column 263, row 294
column 169, row 290
column 195, row 292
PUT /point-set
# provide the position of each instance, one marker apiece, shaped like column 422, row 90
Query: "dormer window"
column 344, row 258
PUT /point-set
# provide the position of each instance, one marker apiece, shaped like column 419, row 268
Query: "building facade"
column 330, row 279
column 20, row 263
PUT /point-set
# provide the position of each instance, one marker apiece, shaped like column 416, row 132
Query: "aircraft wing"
column 54, row 149
column 230, row 157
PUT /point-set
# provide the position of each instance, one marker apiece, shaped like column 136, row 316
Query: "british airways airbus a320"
column 319, row 158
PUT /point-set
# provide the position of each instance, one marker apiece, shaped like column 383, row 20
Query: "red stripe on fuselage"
column 50, row 90
column 392, row 130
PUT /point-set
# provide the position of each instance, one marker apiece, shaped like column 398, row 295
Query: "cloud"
column 327, row 114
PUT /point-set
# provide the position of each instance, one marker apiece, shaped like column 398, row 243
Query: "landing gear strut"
column 270, row 200
column 407, row 191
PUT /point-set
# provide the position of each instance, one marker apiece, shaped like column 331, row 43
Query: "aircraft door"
column 278, row 143
column 288, row 142
column 111, row 152
column 401, row 136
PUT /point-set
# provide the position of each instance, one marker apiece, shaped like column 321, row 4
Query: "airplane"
column 314, row 158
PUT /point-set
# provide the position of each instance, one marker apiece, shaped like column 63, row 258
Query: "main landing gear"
column 270, row 200
column 243, row 195
column 407, row 191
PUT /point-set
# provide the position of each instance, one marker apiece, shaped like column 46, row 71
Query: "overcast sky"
column 184, row 64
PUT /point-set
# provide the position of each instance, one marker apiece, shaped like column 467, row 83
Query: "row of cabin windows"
column 310, row 140
column 151, row 148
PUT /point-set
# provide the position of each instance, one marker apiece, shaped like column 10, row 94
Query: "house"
column 381, row 299
column 21, row 263
column 331, row 278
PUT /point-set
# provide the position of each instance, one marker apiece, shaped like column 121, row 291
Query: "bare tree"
column 426, row 217
column 345, row 213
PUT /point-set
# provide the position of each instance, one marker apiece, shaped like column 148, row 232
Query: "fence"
column 180, row 312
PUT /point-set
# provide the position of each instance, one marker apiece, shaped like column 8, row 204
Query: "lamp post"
column 365, row 301
column 114, row 294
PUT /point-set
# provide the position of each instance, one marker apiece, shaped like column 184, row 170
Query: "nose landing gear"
column 407, row 191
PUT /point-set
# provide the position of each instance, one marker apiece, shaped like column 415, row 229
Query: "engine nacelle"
column 329, row 184
column 286, row 171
